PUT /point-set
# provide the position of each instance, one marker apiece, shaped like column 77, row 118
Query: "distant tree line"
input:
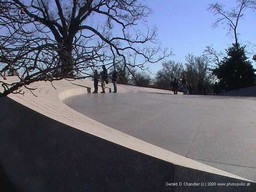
column 232, row 72
column 196, row 71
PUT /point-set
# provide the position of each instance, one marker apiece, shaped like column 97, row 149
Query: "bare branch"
column 230, row 18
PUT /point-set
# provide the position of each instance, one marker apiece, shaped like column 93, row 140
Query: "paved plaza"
column 42, row 139
column 216, row 130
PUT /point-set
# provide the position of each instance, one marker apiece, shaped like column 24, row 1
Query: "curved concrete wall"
column 47, row 146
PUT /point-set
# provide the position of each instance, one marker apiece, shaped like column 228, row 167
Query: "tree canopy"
column 195, row 72
column 235, row 71
column 166, row 75
column 198, row 74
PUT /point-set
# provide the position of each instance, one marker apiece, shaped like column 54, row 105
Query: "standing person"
column 114, row 78
column 189, row 88
column 104, row 78
column 175, row 86
column 95, row 81
column 4, row 76
column 184, row 84
column 215, row 88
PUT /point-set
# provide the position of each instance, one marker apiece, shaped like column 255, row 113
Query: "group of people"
column 103, row 78
column 185, row 86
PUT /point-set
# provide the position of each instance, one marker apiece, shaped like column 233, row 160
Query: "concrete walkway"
column 218, row 131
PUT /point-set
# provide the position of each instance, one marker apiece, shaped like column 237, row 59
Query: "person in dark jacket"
column 175, row 86
column 95, row 81
column 104, row 78
column 114, row 78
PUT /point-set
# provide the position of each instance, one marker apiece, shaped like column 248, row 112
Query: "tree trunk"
column 65, row 54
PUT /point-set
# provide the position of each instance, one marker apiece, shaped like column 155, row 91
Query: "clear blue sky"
column 186, row 26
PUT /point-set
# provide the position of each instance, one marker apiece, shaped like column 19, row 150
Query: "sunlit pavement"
column 216, row 130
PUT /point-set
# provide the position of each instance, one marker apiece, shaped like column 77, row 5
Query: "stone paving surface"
column 215, row 130
column 47, row 99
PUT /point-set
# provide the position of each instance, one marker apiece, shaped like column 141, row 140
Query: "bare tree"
column 231, row 18
column 214, row 56
column 198, row 73
column 170, row 71
column 55, row 39
column 141, row 79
